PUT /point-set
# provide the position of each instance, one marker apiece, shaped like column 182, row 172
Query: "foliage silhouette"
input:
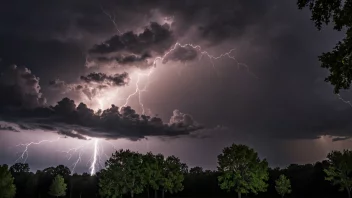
column 339, row 60
column 283, row 185
column 58, row 187
column 340, row 170
column 7, row 188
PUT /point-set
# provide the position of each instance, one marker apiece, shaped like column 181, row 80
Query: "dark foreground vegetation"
column 129, row 174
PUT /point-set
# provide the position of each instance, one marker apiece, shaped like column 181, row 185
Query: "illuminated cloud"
column 19, row 88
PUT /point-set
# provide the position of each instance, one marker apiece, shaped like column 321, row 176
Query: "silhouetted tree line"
column 130, row 174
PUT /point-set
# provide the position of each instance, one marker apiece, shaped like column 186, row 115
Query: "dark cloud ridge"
column 112, row 123
column 134, row 49
column 112, row 80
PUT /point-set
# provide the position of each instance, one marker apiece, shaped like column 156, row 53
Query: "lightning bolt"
column 24, row 155
column 139, row 91
column 97, row 158
column 202, row 53
column 343, row 100
column 92, row 167
column 78, row 150
column 112, row 19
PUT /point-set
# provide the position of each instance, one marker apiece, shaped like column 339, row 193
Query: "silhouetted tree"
column 339, row 60
column 109, row 183
column 20, row 172
column 172, row 175
column 152, row 172
column 125, row 170
column 283, row 186
column 340, row 170
column 242, row 170
column 58, row 187
column 19, row 168
column 196, row 170
column 7, row 188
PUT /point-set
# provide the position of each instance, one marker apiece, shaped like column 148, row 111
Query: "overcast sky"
column 162, row 59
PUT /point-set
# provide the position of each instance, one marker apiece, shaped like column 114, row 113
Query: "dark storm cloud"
column 113, row 123
column 340, row 138
column 19, row 88
column 134, row 49
column 112, row 80
column 72, row 133
column 7, row 128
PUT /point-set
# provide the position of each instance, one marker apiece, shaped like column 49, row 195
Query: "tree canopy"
column 19, row 168
column 125, row 171
column 339, row 60
column 340, row 170
column 7, row 187
column 172, row 175
column 58, row 187
column 283, row 185
column 242, row 170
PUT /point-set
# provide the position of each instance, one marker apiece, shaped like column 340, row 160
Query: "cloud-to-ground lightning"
column 92, row 167
column 96, row 161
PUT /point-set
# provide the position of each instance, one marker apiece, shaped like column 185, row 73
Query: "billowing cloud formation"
column 7, row 128
column 19, row 88
column 112, row 123
column 134, row 49
column 91, row 84
column 180, row 119
column 112, row 80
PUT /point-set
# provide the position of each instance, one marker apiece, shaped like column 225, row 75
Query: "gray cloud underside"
column 7, row 128
column 113, row 123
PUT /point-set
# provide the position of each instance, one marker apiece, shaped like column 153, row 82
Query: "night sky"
column 184, row 78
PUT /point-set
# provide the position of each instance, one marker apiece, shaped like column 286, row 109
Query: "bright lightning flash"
column 97, row 159
column 24, row 154
column 198, row 48
column 92, row 167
